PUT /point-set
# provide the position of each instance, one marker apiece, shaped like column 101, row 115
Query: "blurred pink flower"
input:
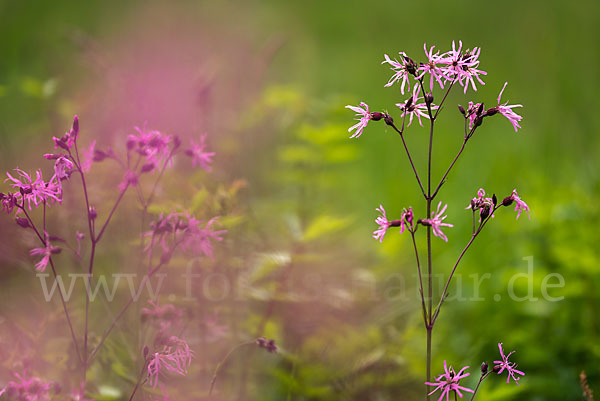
column 163, row 316
column 88, row 157
column 68, row 140
column 401, row 70
column 364, row 116
column 36, row 191
column 153, row 145
column 412, row 108
column 45, row 253
column 63, row 168
column 509, row 366
column 481, row 202
column 448, row 382
column 28, row 389
column 198, row 155
column 436, row 222
column 201, row 239
column 175, row 356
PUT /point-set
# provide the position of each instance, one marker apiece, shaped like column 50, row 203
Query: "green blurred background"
column 283, row 72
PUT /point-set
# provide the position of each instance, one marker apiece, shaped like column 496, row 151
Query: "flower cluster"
column 183, row 229
column 29, row 389
column 456, row 66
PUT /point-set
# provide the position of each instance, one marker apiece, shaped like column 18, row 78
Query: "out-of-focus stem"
column 218, row 368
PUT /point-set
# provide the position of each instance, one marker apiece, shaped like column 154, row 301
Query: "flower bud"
column 411, row 66
column 461, row 109
column 496, row 368
column 148, row 167
column 55, row 250
column 92, row 213
column 478, row 121
column 99, row 155
column 75, row 129
column 395, row 223
column 146, row 351
column 494, row 199
column 376, row 116
column 492, row 111
column 485, row 212
column 388, row 119
column 22, row 222
column 484, row 368
column 480, row 109
column 52, row 156
column 176, row 142
column 429, row 98
column 507, row 201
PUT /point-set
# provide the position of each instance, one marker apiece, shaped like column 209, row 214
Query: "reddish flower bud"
column 507, row 201
column 376, row 116
column 23, row 222
column 148, row 167
column 92, row 213
column 461, row 109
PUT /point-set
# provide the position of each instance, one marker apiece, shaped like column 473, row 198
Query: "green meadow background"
column 279, row 74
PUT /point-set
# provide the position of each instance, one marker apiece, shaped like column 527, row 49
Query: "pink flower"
column 46, row 253
column 88, row 157
column 507, row 111
column 174, row 356
column 198, row 155
column 463, row 66
column 412, row 108
column 163, row 316
column 28, row 389
column 401, row 70
column 153, row 145
column 509, row 366
column 9, row 201
column 201, row 239
column 519, row 204
column 433, row 68
column 384, row 223
column 63, row 168
column 436, row 222
column 36, row 191
column 448, row 382
column 485, row 205
column 364, row 116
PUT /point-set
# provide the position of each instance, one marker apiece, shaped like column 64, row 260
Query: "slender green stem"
column 400, row 132
column 482, row 378
column 218, row 368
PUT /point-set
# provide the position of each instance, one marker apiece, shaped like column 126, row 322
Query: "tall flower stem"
column 139, row 381
column 62, row 297
column 482, row 378
column 400, row 132
column 218, row 368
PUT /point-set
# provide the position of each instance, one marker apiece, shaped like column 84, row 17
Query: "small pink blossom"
column 482, row 203
column 412, row 108
column 509, row 366
column 152, row 144
column 88, row 157
column 432, row 67
column 436, row 222
column 383, row 223
column 199, row 156
column 174, row 356
column 401, row 69
column 449, row 382
column 163, row 316
column 520, row 205
column 9, row 201
column 507, row 111
column 36, row 191
column 364, row 115
column 63, row 168
column 46, row 253
column 201, row 239
column 463, row 66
